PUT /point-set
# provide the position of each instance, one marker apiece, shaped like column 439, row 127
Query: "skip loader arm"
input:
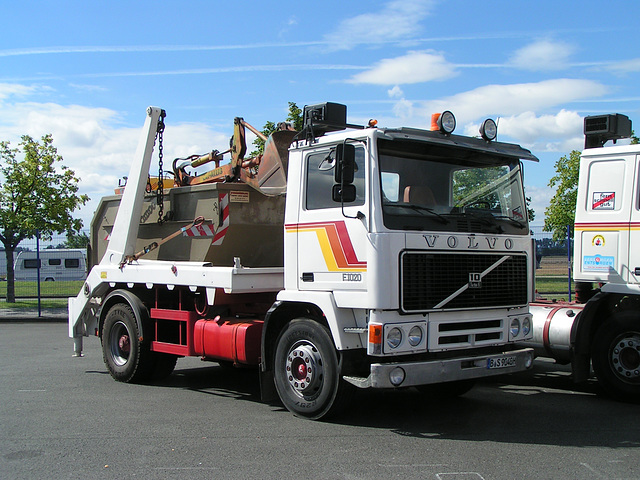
column 125, row 228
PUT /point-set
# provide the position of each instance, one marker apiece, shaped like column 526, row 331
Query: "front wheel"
column 307, row 373
column 616, row 356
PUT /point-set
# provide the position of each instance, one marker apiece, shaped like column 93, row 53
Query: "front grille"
column 429, row 279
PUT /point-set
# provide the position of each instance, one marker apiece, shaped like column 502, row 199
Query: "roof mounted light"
column 446, row 122
column 489, row 130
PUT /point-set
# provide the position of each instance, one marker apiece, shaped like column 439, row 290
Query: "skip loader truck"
column 344, row 256
column 601, row 331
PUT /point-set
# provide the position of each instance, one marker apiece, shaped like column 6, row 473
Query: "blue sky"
column 86, row 71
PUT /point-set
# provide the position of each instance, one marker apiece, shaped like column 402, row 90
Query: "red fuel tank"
column 231, row 339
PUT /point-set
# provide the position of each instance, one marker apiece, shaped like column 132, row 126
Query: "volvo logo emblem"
column 475, row 280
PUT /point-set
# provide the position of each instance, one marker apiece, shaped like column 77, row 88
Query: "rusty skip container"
column 239, row 222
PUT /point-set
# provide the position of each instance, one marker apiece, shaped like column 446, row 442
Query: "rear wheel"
column 163, row 365
column 616, row 356
column 126, row 357
column 307, row 373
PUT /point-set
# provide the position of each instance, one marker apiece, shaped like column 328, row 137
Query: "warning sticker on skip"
column 603, row 201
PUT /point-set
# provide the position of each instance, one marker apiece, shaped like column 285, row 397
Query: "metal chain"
column 160, row 190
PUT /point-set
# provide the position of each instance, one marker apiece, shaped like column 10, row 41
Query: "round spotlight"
column 394, row 337
column 515, row 327
column 447, row 122
column 526, row 326
column 415, row 336
column 489, row 130
column 396, row 376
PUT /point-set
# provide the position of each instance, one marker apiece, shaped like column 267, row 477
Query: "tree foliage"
column 37, row 194
column 294, row 117
column 76, row 240
column 562, row 207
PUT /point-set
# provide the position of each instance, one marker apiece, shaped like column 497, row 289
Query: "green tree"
column 562, row 207
column 634, row 140
column 294, row 117
column 76, row 240
column 35, row 196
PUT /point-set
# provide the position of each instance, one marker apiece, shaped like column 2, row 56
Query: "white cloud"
column 527, row 127
column 93, row 143
column 627, row 66
column 414, row 67
column 540, row 197
column 395, row 92
column 542, row 55
column 397, row 20
column 14, row 90
column 515, row 99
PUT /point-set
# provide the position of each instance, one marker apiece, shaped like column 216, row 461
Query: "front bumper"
column 447, row 370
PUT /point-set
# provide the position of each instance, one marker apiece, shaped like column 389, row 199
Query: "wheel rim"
column 625, row 357
column 304, row 367
column 119, row 343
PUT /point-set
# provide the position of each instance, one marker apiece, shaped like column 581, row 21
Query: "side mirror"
column 345, row 163
column 343, row 193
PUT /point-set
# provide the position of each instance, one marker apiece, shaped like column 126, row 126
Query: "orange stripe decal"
column 335, row 243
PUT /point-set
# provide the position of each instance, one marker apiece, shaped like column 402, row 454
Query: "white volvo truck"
column 602, row 330
column 343, row 257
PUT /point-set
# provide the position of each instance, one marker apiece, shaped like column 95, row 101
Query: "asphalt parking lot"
column 64, row 417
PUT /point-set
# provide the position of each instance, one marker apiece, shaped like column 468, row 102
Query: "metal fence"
column 553, row 264
column 45, row 268
column 62, row 270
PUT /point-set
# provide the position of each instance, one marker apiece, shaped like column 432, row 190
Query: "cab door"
column 634, row 226
column 603, row 218
column 331, row 237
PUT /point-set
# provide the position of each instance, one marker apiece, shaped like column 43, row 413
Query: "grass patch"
column 32, row 303
column 47, row 289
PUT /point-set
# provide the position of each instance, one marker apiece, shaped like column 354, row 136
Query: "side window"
column 320, row 179
column 71, row 263
column 30, row 263
column 391, row 186
column 55, row 261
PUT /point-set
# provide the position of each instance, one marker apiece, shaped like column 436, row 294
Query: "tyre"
column 307, row 373
column 616, row 356
column 126, row 358
column 447, row 390
column 163, row 365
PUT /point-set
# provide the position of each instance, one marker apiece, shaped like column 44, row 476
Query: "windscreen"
column 445, row 188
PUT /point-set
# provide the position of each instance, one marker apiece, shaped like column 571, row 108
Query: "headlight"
column 415, row 336
column 526, row 326
column 394, row 337
column 515, row 327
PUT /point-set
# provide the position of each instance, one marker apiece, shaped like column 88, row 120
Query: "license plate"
column 501, row 362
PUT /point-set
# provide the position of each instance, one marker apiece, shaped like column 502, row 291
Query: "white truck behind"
column 401, row 257
column 602, row 330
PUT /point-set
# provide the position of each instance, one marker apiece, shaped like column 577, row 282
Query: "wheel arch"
column 596, row 311
column 118, row 296
column 278, row 316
